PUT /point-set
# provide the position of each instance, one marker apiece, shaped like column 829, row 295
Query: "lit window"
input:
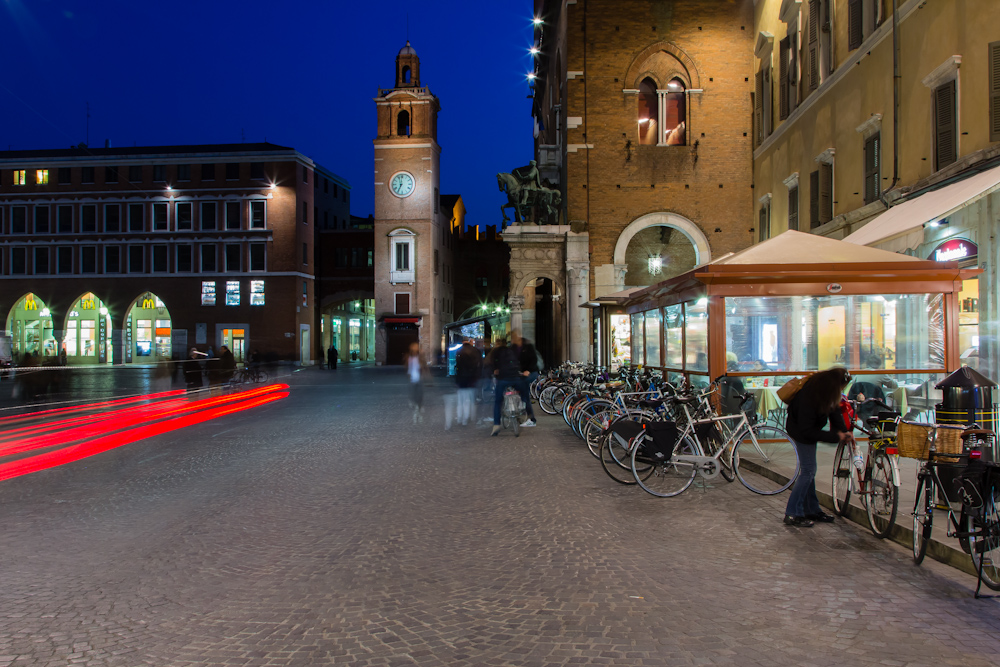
column 41, row 176
column 208, row 293
column 258, row 213
column 256, row 292
column 20, row 176
column 232, row 292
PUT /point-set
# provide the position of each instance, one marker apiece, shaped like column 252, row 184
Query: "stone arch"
column 518, row 284
column 664, row 219
column 640, row 66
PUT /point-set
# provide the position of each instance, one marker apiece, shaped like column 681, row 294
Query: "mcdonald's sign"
column 87, row 304
column 30, row 303
column 148, row 303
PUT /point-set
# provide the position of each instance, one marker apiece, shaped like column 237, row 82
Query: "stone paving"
column 329, row 529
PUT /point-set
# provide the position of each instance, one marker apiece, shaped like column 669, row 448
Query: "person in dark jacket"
column 227, row 365
column 507, row 369
column 468, row 371
column 193, row 369
column 815, row 405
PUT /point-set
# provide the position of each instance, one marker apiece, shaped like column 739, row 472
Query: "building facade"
column 882, row 128
column 345, row 272
column 642, row 119
column 413, row 255
column 133, row 255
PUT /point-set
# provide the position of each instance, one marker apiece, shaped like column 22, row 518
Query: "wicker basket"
column 914, row 439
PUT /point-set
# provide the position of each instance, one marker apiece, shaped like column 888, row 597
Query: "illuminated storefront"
column 29, row 324
column 147, row 331
column 350, row 327
column 87, row 337
column 769, row 313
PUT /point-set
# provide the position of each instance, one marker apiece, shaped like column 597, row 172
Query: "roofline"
column 145, row 153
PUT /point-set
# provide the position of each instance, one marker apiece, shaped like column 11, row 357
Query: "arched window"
column 406, row 74
column 647, row 112
column 675, row 114
column 403, row 124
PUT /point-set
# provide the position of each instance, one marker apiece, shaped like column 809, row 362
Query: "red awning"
column 402, row 320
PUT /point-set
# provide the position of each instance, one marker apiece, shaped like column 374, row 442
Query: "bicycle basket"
column 914, row 440
column 661, row 438
column 512, row 404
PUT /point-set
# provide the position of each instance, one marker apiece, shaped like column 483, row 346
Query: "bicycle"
column 513, row 410
column 762, row 457
column 977, row 524
column 874, row 478
column 249, row 375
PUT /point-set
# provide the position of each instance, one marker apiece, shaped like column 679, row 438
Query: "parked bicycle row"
column 647, row 432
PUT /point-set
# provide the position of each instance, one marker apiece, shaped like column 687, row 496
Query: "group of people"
column 515, row 364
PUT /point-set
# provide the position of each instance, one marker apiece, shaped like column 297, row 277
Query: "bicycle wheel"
column 766, row 463
column 984, row 539
column 589, row 415
column 594, row 428
column 547, row 399
column 881, row 494
column 923, row 517
column 664, row 478
column 505, row 421
column 841, row 486
column 515, row 423
column 711, row 446
column 615, row 458
column 569, row 405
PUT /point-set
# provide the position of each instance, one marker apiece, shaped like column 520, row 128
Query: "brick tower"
column 411, row 297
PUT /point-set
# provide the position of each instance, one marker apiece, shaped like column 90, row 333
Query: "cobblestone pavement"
column 329, row 529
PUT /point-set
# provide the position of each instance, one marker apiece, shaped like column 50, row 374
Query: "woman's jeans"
column 803, row 500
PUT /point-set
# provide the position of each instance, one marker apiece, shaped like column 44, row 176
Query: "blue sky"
column 300, row 74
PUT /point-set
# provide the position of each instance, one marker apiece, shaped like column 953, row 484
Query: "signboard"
column 102, row 338
column 128, row 339
column 955, row 250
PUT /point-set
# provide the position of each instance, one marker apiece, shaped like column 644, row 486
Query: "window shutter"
column 758, row 106
column 814, row 199
column 793, row 72
column 762, row 225
column 825, row 193
column 793, row 208
column 944, row 131
column 783, row 79
column 813, row 44
column 872, row 148
column 854, row 24
column 994, row 56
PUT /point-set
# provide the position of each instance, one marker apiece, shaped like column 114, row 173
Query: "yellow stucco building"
column 841, row 151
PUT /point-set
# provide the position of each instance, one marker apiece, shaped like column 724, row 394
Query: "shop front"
column 772, row 312
column 29, row 326
column 611, row 329
column 953, row 222
column 87, row 338
column 147, row 331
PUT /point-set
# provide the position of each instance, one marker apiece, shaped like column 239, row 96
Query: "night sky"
column 301, row 73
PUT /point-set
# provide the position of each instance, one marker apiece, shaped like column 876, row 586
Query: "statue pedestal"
column 557, row 253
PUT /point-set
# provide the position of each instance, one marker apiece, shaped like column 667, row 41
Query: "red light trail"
column 68, row 440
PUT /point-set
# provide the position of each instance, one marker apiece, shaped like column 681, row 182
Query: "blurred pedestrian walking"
column 468, row 370
column 415, row 369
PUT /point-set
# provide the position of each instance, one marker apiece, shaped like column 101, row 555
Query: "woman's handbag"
column 787, row 391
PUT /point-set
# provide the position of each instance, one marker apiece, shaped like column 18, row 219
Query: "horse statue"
column 527, row 196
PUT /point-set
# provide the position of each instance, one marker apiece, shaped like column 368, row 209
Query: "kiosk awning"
column 936, row 205
column 614, row 299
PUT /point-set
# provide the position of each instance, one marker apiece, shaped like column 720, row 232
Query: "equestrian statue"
column 531, row 201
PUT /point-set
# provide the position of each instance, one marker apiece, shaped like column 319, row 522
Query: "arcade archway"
column 88, row 332
column 29, row 325
column 147, row 331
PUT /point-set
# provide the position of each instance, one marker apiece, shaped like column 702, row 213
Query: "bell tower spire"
column 407, row 67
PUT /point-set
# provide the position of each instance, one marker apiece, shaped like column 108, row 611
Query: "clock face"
column 402, row 184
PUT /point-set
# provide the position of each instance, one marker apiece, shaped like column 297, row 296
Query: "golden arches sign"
column 30, row 303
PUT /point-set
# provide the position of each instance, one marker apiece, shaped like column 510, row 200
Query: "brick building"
column 643, row 121
column 131, row 255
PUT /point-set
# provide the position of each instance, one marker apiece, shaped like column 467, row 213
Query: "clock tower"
column 412, row 245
